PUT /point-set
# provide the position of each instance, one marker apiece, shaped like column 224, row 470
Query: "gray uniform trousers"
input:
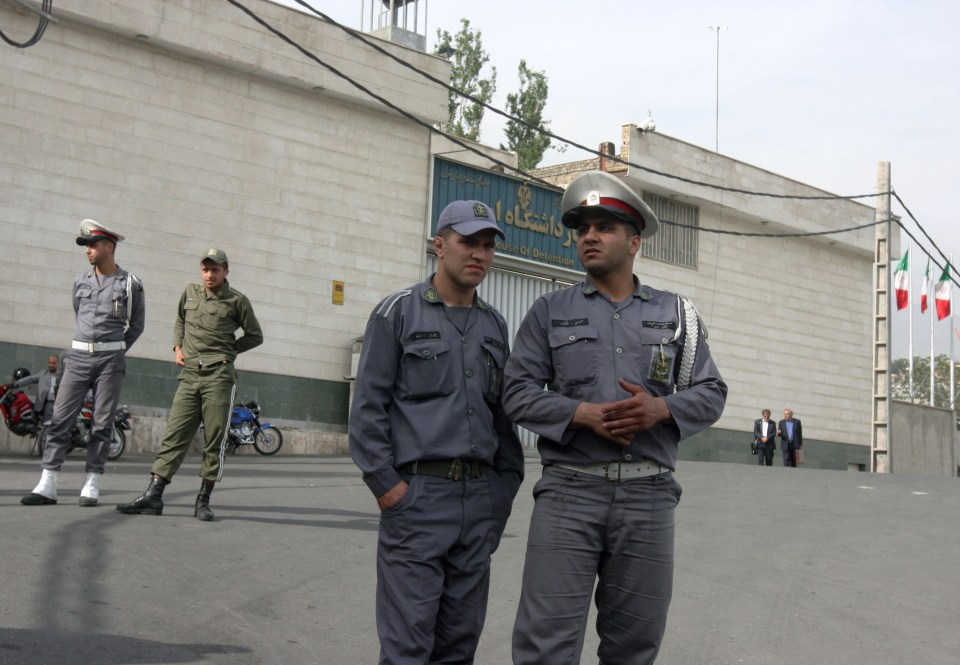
column 433, row 568
column 582, row 527
column 103, row 371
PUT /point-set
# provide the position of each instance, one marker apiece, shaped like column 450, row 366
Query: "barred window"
column 673, row 244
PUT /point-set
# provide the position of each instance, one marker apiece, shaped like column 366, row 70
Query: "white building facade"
column 187, row 125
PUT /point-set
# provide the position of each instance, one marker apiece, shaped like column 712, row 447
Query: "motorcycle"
column 247, row 430
column 81, row 432
column 18, row 415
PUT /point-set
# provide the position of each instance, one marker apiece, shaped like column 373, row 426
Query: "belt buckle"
column 456, row 470
column 606, row 472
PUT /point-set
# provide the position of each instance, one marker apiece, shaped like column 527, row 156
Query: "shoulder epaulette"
column 387, row 305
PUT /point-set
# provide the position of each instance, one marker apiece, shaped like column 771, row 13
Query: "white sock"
column 48, row 484
column 91, row 485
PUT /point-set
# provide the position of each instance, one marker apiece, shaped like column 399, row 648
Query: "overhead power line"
column 364, row 39
column 45, row 17
column 361, row 37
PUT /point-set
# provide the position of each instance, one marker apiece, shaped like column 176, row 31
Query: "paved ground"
column 774, row 567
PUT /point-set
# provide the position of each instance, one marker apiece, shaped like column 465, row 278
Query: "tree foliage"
column 900, row 380
column 527, row 105
column 468, row 59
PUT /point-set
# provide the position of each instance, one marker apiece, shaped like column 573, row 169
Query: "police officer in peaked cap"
column 598, row 190
column 628, row 375
column 110, row 314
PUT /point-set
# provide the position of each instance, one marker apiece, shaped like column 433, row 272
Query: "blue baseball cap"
column 468, row 217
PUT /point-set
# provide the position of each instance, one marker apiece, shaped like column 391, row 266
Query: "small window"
column 675, row 243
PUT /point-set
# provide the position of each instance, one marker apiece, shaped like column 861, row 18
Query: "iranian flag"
column 926, row 288
column 943, row 294
column 901, row 280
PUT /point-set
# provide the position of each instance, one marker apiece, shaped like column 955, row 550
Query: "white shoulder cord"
column 129, row 298
column 692, row 325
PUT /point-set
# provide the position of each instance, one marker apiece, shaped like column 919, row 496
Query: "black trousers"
column 765, row 454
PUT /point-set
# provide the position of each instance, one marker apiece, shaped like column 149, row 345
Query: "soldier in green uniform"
column 205, row 346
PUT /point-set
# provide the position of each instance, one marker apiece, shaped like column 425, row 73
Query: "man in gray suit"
column 791, row 437
column 46, row 389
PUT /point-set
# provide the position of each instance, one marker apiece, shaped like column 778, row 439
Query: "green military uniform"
column 204, row 329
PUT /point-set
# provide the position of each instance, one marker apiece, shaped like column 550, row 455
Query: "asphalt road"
column 774, row 567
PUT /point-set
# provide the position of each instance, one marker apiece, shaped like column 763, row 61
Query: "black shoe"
column 142, row 505
column 34, row 499
column 148, row 503
column 201, row 509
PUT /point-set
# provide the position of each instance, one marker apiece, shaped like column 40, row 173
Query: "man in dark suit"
column 46, row 389
column 766, row 438
column 791, row 437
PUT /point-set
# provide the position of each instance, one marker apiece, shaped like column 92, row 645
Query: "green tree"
column 527, row 105
column 468, row 59
column 900, row 380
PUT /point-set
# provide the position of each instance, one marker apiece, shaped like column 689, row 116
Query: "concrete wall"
column 789, row 317
column 922, row 440
column 185, row 125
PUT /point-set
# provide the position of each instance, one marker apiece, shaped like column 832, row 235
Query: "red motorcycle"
column 17, row 409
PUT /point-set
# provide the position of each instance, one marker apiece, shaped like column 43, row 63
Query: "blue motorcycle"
column 247, row 430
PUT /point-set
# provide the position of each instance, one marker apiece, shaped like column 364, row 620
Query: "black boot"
column 201, row 509
column 148, row 503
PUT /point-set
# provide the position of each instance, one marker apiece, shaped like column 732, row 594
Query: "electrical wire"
column 359, row 86
column 359, row 36
column 46, row 9
column 362, row 38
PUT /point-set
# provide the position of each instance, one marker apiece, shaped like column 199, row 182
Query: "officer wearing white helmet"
column 109, row 306
column 628, row 375
column 428, row 431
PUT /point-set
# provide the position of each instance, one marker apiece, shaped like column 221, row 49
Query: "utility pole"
column 880, row 417
column 716, row 132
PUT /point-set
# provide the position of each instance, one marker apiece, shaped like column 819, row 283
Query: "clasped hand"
column 619, row 421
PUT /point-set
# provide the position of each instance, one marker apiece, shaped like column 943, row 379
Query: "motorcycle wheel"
column 268, row 440
column 39, row 438
column 118, row 443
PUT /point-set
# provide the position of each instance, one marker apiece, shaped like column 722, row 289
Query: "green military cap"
column 215, row 255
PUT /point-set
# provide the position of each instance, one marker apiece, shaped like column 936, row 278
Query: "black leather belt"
column 216, row 364
column 453, row 469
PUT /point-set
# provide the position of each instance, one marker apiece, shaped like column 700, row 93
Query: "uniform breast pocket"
column 426, row 370
column 216, row 316
column 493, row 362
column 658, row 356
column 83, row 292
column 576, row 356
column 191, row 311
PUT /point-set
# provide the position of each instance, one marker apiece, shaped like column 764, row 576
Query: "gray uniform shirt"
column 427, row 391
column 577, row 343
column 104, row 305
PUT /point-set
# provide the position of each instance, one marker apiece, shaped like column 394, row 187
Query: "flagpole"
column 931, row 305
column 952, row 355
column 910, row 336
